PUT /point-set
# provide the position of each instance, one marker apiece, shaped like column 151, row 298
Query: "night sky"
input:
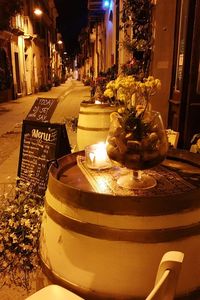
column 72, row 17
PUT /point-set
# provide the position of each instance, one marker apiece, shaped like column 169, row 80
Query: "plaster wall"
column 162, row 54
column 110, row 21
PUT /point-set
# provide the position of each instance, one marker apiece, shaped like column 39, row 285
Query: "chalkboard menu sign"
column 41, row 143
column 42, row 109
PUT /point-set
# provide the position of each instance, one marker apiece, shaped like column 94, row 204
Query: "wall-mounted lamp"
column 37, row 11
column 60, row 42
column 106, row 4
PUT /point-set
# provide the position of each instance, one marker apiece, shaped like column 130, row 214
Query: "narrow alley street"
column 100, row 149
column 12, row 114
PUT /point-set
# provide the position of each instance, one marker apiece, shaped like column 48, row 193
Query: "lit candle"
column 96, row 156
column 97, row 102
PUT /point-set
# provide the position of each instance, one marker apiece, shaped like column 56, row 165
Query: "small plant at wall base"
column 20, row 217
column 98, row 85
column 56, row 81
column 136, row 17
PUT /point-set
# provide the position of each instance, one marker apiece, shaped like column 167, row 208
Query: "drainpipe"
column 117, row 33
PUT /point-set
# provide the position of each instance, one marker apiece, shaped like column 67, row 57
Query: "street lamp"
column 38, row 11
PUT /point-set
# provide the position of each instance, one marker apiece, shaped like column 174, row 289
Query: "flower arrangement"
column 135, row 139
column 132, row 67
column 99, row 85
column 19, row 236
column 87, row 81
column 129, row 92
column 99, row 88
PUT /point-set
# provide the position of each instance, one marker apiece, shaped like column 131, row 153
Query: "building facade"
column 161, row 35
column 30, row 50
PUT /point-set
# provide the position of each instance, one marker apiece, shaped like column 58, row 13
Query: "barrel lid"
column 96, row 105
column 178, row 187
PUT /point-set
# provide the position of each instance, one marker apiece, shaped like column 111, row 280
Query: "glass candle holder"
column 96, row 156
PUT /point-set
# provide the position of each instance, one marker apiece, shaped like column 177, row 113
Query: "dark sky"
column 72, row 17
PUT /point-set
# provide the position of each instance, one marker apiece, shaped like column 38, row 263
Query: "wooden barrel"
column 107, row 246
column 93, row 124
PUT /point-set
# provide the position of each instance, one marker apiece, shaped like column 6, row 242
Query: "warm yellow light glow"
column 96, row 156
column 38, row 12
column 60, row 42
column 97, row 102
column 102, row 184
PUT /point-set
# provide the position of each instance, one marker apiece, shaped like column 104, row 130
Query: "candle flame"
column 97, row 155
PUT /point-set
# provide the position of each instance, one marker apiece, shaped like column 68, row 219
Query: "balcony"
column 17, row 25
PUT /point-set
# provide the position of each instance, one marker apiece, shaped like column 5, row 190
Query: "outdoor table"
column 105, row 242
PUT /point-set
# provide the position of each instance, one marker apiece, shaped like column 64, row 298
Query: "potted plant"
column 136, row 139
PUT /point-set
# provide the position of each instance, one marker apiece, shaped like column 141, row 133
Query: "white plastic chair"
column 167, row 276
column 164, row 289
column 54, row 292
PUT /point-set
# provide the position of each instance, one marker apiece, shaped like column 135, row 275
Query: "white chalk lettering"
column 41, row 135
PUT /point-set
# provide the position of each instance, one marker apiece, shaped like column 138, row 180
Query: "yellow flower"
column 121, row 110
column 121, row 96
column 108, row 93
column 110, row 85
column 11, row 222
column 131, row 91
column 25, row 222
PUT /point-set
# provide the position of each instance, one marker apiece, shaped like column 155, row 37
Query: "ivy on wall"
column 136, row 18
column 8, row 9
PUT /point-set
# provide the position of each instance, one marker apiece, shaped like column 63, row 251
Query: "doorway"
column 184, row 103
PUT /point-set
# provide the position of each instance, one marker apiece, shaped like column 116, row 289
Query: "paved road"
column 12, row 114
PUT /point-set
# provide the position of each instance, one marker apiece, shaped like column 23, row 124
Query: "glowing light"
column 38, row 12
column 60, row 42
column 96, row 156
column 106, row 4
column 102, row 184
column 97, row 102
